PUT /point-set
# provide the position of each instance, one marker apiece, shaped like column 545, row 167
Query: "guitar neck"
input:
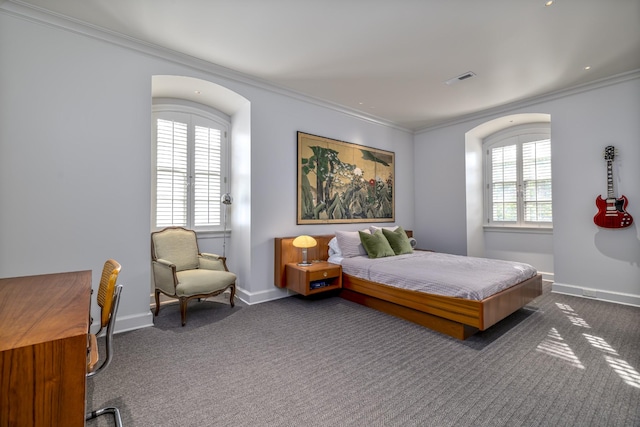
column 610, row 193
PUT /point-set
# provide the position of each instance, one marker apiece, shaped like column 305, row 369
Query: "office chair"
column 108, row 299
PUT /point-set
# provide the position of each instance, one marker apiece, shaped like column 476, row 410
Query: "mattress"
column 441, row 274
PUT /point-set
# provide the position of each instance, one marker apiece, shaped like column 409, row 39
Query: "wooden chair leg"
column 157, row 302
column 183, row 310
column 232, row 297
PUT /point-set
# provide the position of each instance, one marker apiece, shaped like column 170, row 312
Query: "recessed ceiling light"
column 588, row 67
column 549, row 3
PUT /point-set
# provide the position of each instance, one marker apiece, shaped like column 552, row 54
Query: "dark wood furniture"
column 318, row 277
column 456, row 317
column 44, row 322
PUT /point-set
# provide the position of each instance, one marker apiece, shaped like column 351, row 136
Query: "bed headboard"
column 285, row 253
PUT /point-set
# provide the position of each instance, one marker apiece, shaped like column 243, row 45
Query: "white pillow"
column 334, row 249
column 349, row 243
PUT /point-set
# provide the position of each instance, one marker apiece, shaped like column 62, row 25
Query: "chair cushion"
column 200, row 281
column 177, row 246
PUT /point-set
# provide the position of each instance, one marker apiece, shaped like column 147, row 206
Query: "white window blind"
column 190, row 170
column 504, row 183
column 519, row 180
column 171, row 173
column 207, row 180
column 536, row 176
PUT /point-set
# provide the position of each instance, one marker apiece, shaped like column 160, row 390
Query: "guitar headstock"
column 610, row 152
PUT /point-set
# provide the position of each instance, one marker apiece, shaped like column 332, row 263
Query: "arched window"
column 518, row 177
column 189, row 164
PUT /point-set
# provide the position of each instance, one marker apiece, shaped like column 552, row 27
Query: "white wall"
column 75, row 141
column 440, row 205
column 74, row 159
column 532, row 247
column 583, row 122
column 585, row 255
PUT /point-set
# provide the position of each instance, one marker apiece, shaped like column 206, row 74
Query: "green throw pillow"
column 376, row 244
column 398, row 241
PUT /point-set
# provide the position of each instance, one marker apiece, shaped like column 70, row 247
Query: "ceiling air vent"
column 461, row 77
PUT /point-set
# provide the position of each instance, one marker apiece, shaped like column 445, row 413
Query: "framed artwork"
column 341, row 182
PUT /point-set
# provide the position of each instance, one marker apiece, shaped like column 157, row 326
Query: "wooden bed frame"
column 457, row 317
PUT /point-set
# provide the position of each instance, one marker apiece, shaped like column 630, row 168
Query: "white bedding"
column 438, row 273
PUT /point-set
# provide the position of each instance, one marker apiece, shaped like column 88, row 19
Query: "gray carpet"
column 561, row 361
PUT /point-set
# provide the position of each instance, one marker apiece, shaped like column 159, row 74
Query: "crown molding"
column 551, row 96
column 22, row 10
column 38, row 15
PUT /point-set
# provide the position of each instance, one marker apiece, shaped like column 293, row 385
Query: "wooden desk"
column 44, row 321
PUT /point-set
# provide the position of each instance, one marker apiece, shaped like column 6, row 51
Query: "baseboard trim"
column 597, row 294
column 547, row 276
column 241, row 294
column 127, row 323
column 262, row 296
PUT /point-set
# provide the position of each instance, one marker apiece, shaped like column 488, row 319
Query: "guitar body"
column 612, row 213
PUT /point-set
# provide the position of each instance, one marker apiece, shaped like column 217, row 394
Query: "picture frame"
column 343, row 182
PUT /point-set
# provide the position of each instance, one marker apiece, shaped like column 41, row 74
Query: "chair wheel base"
column 110, row 410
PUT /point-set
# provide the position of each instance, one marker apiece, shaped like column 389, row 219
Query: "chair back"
column 106, row 291
column 108, row 301
column 115, row 302
column 177, row 245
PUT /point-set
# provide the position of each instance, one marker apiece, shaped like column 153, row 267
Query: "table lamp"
column 304, row 242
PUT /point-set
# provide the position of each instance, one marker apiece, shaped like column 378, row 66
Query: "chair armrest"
column 213, row 262
column 164, row 276
column 210, row 256
column 165, row 263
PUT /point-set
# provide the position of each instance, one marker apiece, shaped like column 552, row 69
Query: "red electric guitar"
column 611, row 211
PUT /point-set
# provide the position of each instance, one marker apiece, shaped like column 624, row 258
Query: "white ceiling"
column 389, row 58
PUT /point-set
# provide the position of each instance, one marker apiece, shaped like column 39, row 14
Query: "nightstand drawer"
column 324, row 274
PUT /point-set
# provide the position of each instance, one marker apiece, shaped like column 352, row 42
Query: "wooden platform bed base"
column 456, row 317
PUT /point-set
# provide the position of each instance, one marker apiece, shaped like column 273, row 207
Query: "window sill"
column 516, row 229
column 211, row 234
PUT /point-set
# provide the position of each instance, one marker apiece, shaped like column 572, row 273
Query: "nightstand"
column 318, row 277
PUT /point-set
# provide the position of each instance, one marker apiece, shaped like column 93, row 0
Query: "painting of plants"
column 341, row 182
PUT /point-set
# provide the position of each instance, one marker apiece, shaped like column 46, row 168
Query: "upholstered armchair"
column 181, row 271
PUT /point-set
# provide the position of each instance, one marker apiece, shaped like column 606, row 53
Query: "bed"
column 456, row 316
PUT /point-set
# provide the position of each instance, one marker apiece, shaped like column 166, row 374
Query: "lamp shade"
column 304, row 242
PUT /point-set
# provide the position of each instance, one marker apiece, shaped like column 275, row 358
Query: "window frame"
column 193, row 115
column 516, row 135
